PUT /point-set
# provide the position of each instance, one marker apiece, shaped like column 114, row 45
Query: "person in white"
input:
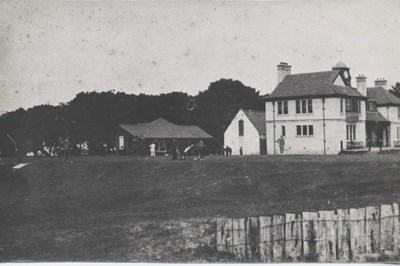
column 152, row 149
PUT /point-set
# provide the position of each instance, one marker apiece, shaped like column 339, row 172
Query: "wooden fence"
column 324, row 236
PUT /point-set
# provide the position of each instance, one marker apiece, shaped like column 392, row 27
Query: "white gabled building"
column 317, row 113
column 246, row 132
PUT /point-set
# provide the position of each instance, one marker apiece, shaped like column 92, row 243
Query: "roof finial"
column 340, row 51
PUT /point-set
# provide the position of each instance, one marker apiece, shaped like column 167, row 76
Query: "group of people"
column 64, row 147
column 179, row 151
column 61, row 148
column 227, row 151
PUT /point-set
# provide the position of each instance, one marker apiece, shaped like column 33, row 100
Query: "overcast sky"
column 52, row 50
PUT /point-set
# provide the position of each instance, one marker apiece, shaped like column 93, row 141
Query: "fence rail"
column 343, row 235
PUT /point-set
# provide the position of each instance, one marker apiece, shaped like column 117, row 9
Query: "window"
column 310, row 106
column 348, row 106
column 283, row 108
column 121, row 142
column 304, row 106
column 353, row 106
column 283, row 131
column 298, row 130
column 341, row 105
column 351, row 132
column 398, row 133
column 161, row 146
column 371, row 106
column 305, row 130
column 310, row 130
column 241, row 128
column 398, row 112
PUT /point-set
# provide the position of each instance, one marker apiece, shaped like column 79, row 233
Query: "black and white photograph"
column 200, row 131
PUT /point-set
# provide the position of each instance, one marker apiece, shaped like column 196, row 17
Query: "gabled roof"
column 316, row 84
column 163, row 129
column 376, row 117
column 382, row 97
column 257, row 118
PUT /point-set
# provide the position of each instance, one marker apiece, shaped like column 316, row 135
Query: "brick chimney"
column 283, row 71
column 381, row 83
column 362, row 85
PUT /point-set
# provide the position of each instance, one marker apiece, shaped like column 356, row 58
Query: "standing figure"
column 281, row 142
column 228, row 150
column 135, row 147
column 152, row 149
column 241, row 151
column 201, row 148
column 60, row 144
column 66, row 147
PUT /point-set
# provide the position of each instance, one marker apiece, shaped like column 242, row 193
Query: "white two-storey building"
column 316, row 113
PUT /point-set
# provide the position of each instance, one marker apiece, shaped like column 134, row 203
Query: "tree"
column 396, row 89
column 217, row 106
column 94, row 116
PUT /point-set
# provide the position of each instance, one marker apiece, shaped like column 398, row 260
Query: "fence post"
column 396, row 220
column 253, row 238
column 278, row 238
column 310, row 223
column 224, row 235
column 293, row 237
column 372, row 229
column 266, row 238
column 344, row 253
column 326, row 235
column 387, row 226
column 357, row 231
column 239, row 238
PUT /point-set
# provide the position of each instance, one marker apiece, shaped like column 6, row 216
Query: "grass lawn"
column 113, row 209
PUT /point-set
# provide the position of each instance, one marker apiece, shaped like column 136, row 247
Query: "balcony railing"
column 353, row 145
column 352, row 117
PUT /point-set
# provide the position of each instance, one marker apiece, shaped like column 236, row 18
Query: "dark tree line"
column 94, row 116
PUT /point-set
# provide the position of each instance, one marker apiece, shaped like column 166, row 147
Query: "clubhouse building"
column 321, row 113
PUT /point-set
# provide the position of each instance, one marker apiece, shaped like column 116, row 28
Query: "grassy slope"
column 86, row 209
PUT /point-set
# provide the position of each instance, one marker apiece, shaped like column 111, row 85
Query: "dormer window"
column 371, row 107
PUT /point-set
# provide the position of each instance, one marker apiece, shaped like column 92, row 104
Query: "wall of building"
column 250, row 141
column 335, row 129
column 391, row 114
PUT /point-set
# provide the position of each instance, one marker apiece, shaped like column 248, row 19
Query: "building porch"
column 378, row 133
